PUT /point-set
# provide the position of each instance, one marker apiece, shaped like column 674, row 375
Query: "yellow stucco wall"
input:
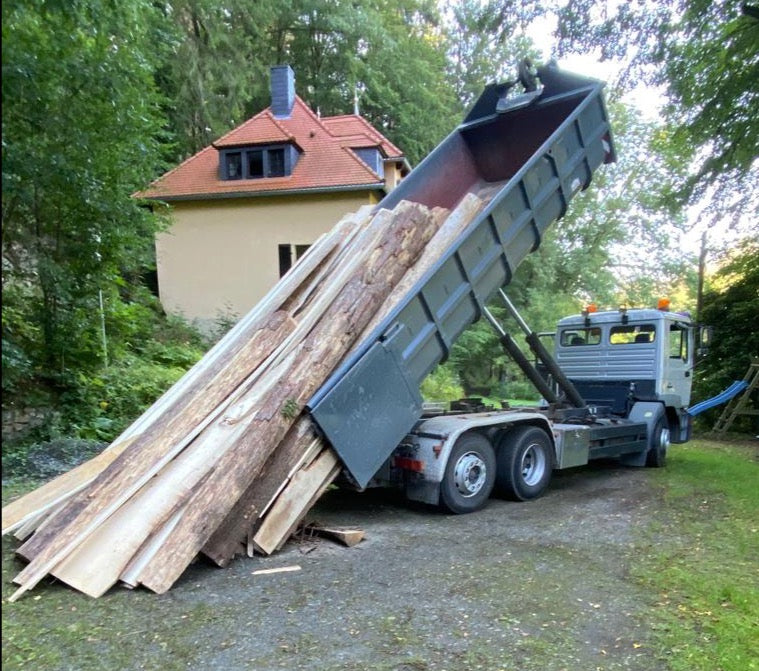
column 220, row 257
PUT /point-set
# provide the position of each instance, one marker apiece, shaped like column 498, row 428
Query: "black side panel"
column 615, row 393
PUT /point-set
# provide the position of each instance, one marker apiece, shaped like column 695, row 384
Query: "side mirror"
column 705, row 335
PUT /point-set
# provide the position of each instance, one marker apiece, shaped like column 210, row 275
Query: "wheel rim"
column 470, row 474
column 664, row 440
column 533, row 465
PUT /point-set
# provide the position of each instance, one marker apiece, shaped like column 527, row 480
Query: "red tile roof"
column 353, row 124
column 326, row 160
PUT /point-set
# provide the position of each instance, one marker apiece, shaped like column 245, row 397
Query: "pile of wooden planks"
column 227, row 461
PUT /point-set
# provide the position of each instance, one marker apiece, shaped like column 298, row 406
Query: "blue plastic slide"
column 733, row 390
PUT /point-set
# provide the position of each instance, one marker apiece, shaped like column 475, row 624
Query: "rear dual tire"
column 525, row 463
column 469, row 475
column 521, row 471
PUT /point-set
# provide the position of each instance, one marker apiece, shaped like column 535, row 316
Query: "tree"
column 81, row 132
column 215, row 67
column 485, row 42
column 731, row 307
column 706, row 55
column 388, row 56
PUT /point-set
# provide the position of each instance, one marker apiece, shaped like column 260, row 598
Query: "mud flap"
column 648, row 412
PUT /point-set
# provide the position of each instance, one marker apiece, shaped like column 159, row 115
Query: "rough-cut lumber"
column 158, row 445
column 305, row 487
column 368, row 271
column 125, row 478
column 453, row 227
column 405, row 232
column 142, row 506
column 348, row 537
column 229, row 457
column 230, row 538
column 92, row 570
column 65, row 486
column 294, row 451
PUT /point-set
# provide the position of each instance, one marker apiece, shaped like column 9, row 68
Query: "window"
column 259, row 162
column 632, row 335
column 288, row 255
column 234, row 165
column 372, row 157
column 678, row 342
column 276, row 163
column 255, row 164
column 576, row 337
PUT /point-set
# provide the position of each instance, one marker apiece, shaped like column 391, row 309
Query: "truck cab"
column 617, row 357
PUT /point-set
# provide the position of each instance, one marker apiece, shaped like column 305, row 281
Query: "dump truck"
column 535, row 142
column 617, row 386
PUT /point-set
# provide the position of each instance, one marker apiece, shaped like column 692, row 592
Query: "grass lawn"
column 700, row 557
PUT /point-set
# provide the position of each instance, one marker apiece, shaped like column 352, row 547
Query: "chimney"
column 282, row 91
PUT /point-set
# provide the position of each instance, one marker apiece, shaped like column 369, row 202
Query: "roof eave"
column 376, row 186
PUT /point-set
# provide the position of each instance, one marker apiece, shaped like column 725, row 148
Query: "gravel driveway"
column 541, row 585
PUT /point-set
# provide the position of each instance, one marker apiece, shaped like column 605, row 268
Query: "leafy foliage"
column 485, row 41
column 96, row 94
column 731, row 308
column 441, row 385
column 81, row 131
column 706, row 55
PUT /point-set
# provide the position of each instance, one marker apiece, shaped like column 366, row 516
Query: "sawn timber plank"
column 288, row 510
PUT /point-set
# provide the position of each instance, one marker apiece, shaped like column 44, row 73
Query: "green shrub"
column 517, row 388
column 442, row 384
column 146, row 352
column 102, row 406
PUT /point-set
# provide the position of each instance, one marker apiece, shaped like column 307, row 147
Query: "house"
column 245, row 208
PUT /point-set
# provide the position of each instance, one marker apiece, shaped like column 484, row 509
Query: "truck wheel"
column 469, row 475
column 525, row 462
column 656, row 456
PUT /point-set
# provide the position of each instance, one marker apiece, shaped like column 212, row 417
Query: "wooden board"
column 347, row 536
column 295, row 501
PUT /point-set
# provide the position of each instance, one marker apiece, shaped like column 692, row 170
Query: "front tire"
column 469, row 475
column 656, row 457
column 525, row 463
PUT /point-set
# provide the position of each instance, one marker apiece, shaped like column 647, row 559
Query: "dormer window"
column 234, row 165
column 371, row 156
column 258, row 162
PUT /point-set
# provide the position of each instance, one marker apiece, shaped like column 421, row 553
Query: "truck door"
column 678, row 363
